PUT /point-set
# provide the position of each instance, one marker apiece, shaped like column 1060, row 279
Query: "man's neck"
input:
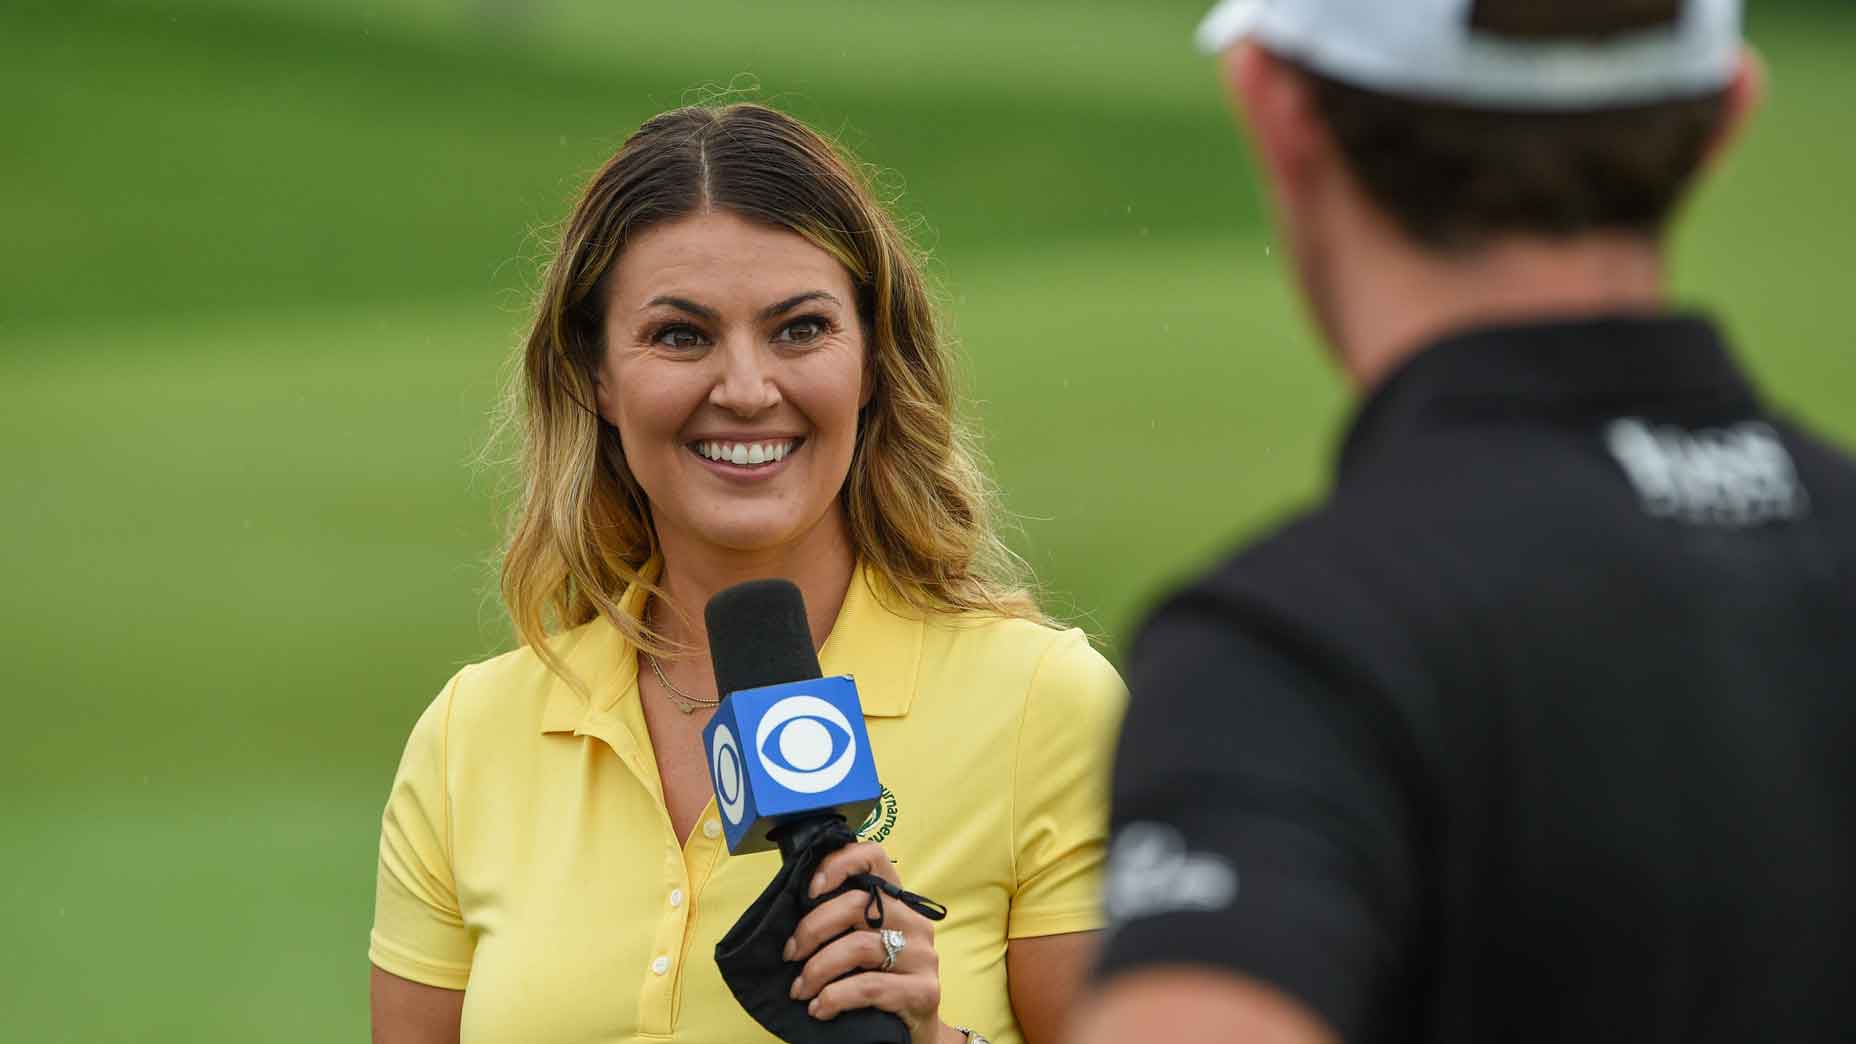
column 1390, row 303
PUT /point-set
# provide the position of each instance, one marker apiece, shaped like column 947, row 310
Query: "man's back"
column 1543, row 728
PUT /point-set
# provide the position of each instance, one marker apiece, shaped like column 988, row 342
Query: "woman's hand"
column 911, row 989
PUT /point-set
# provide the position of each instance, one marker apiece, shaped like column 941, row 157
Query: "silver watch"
column 973, row 1036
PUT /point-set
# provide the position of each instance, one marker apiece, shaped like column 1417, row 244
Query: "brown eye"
column 681, row 338
column 803, row 331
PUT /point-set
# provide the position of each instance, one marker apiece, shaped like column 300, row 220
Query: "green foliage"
column 266, row 262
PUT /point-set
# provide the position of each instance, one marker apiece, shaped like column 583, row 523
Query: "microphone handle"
column 796, row 836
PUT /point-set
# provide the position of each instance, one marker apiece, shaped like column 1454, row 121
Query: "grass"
column 267, row 261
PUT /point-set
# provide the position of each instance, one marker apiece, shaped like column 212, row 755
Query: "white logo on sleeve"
column 805, row 744
column 1735, row 477
column 1150, row 871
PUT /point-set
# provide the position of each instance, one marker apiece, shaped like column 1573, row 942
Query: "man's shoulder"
column 1408, row 568
column 1290, row 560
column 1310, row 590
column 1827, row 468
column 1384, row 579
column 1322, row 556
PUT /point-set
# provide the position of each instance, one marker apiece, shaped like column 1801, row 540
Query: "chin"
column 749, row 525
column 753, row 535
column 746, row 542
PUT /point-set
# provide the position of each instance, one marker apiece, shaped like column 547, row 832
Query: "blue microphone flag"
column 786, row 751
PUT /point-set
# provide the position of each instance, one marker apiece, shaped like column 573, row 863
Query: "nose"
column 745, row 386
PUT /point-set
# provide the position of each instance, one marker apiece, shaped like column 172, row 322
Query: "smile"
column 746, row 454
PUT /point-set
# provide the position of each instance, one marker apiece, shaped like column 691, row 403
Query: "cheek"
column 845, row 407
column 842, row 388
column 833, row 408
column 649, row 413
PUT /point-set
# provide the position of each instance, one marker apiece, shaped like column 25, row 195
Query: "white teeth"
column 745, row 454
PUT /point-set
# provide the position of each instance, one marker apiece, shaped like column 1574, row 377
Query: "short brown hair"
column 1454, row 177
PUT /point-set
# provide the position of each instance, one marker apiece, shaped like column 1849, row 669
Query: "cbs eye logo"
column 805, row 744
column 725, row 766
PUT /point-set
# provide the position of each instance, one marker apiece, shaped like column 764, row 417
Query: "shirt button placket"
column 661, row 985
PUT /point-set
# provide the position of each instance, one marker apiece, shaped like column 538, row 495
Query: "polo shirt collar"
column 1606, row 365
column 603, row 660
column 876, row 639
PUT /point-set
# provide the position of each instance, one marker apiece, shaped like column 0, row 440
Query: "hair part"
column 917, row 502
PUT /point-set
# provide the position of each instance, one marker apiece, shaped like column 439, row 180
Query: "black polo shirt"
column 1542, row 728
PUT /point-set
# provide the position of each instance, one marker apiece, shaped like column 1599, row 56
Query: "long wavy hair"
column 918, row 504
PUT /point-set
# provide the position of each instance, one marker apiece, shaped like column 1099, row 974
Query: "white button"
column 676, row 898
column 661, row 965
column 711, row 828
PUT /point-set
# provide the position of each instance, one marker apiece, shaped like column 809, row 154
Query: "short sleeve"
column 1260, row 824
column 1060, row 790
column 419, row 933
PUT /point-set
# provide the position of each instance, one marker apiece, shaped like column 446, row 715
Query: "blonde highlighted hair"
column 916, row 500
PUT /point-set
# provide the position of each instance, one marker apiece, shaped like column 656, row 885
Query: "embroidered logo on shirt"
column 881, row 820
column 1735, row 477
column 1150, row 871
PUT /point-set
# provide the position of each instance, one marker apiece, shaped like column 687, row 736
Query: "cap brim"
column 1226, row 24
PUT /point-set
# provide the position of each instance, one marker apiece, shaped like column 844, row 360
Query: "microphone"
column 788, row 751
column 792, row 769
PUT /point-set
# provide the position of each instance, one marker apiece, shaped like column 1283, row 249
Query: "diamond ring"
column 893, row 942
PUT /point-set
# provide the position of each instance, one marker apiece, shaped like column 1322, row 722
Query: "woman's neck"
column 820, row 563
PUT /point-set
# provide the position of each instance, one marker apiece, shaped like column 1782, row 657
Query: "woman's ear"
column 600, row 398
column 605, row 395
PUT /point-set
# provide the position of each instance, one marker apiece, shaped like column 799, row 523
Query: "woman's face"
column 734, row 370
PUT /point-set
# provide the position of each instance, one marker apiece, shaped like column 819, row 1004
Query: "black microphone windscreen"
column 758, row 635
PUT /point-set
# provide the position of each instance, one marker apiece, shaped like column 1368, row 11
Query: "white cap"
column 1430, row 49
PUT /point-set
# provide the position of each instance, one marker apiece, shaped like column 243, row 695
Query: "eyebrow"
column 686, row 305
column 796, row 300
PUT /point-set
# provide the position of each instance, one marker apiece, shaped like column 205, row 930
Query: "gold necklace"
column 679, row 699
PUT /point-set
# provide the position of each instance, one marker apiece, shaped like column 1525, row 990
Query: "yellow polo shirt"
column 526, row 856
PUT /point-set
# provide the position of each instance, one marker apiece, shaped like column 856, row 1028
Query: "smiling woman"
column 740, row 191
column 735, row 373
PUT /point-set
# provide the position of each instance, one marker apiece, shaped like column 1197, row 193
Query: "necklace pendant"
column 687, row 708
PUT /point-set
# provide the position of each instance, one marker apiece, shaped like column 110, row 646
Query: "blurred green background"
column 265, row 262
